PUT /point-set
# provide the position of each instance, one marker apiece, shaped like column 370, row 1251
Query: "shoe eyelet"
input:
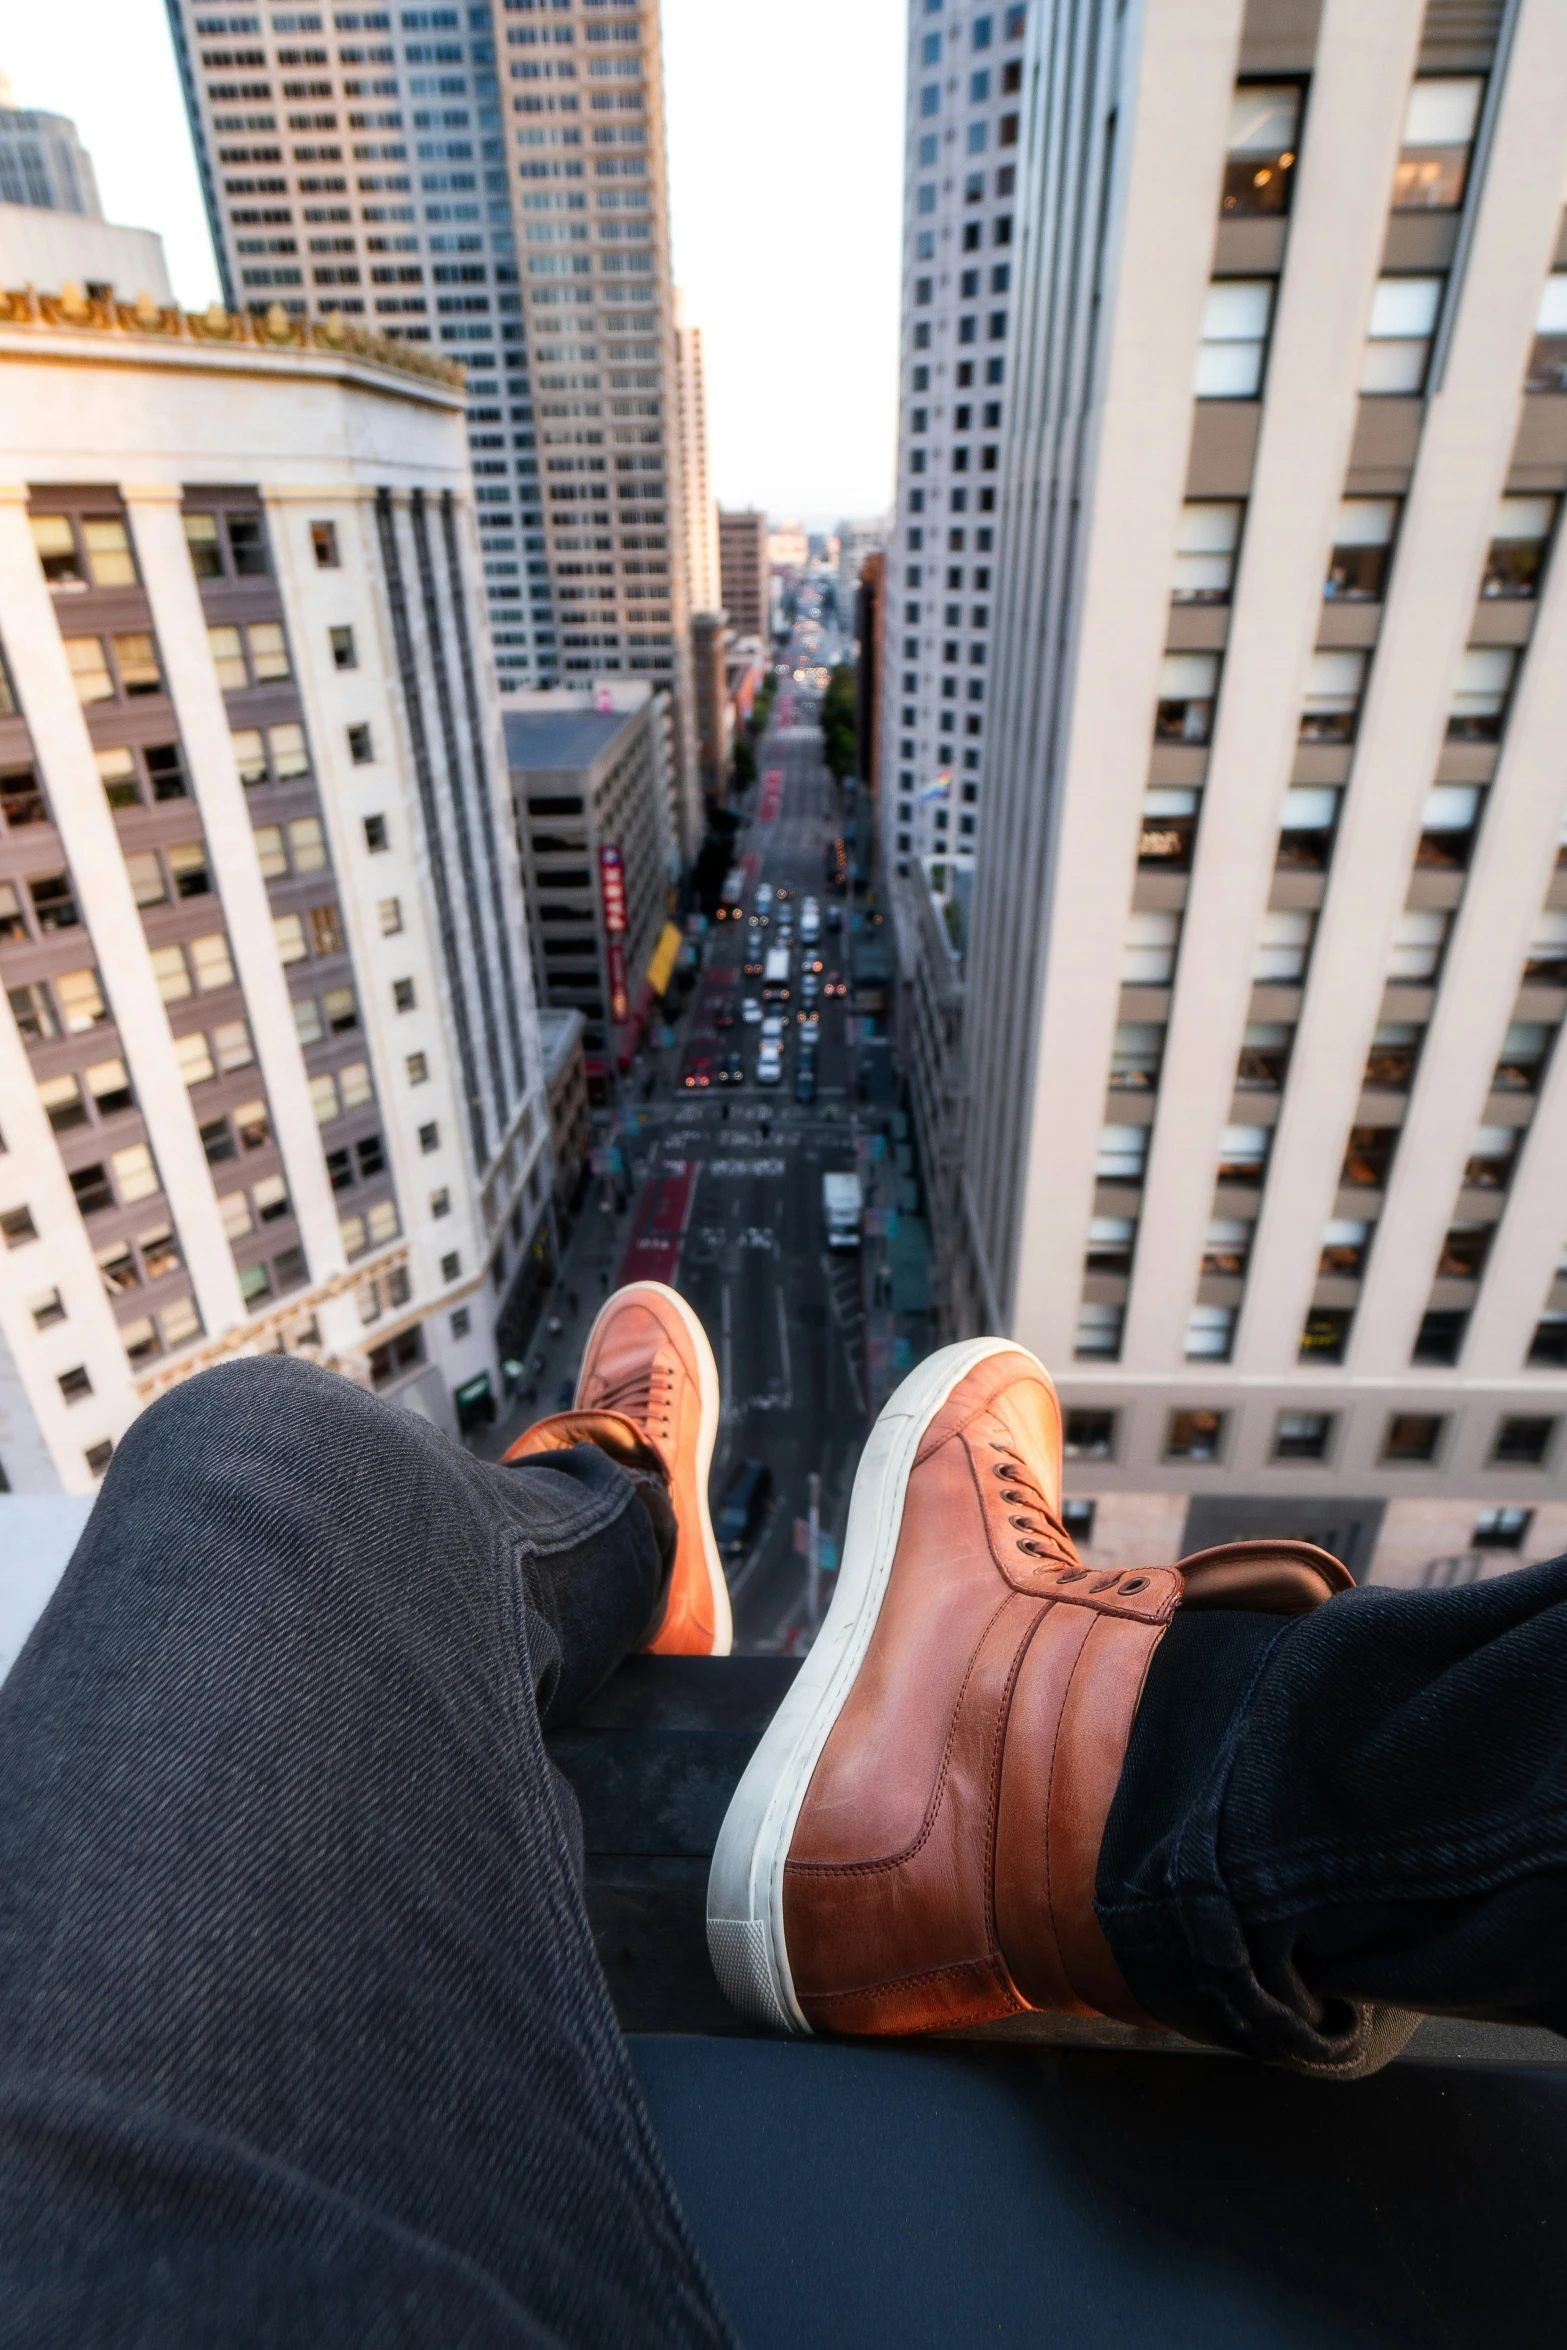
column 1036, row 1550
column 1025, row 1525
column 1073, row 1575
column 1136, row 1583
column 1007, row 1471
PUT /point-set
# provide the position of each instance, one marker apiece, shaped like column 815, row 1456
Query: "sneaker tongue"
column 613, row 1432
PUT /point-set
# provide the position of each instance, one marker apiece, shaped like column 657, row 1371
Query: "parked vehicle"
column 750, row 1010
column 841, row 1205
column 744, row 1506
column 731, row 1070
column 769, row 1067
column 773, row 1026
column 775, row 978
column 810, row 922
column 699, row 1074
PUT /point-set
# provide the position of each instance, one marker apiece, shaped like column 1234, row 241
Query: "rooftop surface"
column 549, row 740
column 558, row 1032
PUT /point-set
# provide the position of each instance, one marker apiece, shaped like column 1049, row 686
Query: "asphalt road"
column 725, row 1201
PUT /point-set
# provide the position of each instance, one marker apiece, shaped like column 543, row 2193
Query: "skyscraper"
column 701, row 513
column 43, row 161
column 268, row 1064
column 744, row 577
column 1267, row 955
column 959, row 213
column 490, row 181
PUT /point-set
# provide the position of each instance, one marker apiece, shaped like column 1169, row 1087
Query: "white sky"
column 785, row 137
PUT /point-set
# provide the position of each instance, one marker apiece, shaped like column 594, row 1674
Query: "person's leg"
column 302, row 2033
column 1364, row 1804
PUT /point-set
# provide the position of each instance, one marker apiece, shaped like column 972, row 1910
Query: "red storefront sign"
column 612, row 891
column 619, row 1002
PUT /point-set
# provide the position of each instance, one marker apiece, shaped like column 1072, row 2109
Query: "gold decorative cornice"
column 73, row 312
column 250, row 1337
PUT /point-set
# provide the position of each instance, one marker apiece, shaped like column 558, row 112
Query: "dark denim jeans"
column 303, row 2039
column 1357, row 1810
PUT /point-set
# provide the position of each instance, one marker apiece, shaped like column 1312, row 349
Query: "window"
column 63, row 1104
column 1210, row 1333
column 1485, row 676
column 1546, row 961
column 288, row 933
column 1205, row 544
column 1234, row 338
column 1090, row 1436
column 21, row 800
column 360, row 748
column 201, row 537
column 1307, row 823
column 1135, row 1057
column 402, row 995
column 1449, row 822
column 109, row 1084
column 75, row 1384
column 418, row 1069
column 1302, row 1436
column 451, row 1266
column 1521, row 534
column 1491, row 1157
column 210, row 958
column 1243, row 1154
column 326, row 930
column 1368, row 1157
column 12, row 921
column 1169, row 830
column 1440, row 1338
column 1148, row 957
column 343, row 653
column 188, row 865
column 440, row 1203
column 341, row 1010
column 306, row 847
column 1548, row 1348
column 1098, row 1333
column 89, row 669
column 49, row 1308
column 1463, row 1252
column 1525, row 1050
column 1110, row 1240
column 397, row 1355
column 1188, row 683
column 1362, row 550
column 194, row 1055
column 1439, row 129
column 1264, row 126
column 228, row 658
column 1502, row 1529
column 1226, row 1248
column 55, row 543
column 390, row 913
column 145, row 876
column 217, row 1141
column 98, row 1456
column 1548, row 358
column 54, row 905
column 1395, row 1048
column 1283, row 949
column 375, row 834
column 1522, row 1444
column 1123, row 1154
column 1398, row 335
column 354, row 1082
column 1418, row 941
column 1412, row 1438
column 268, row 651
column 1331, row 705
column 1194, row 1436
column 323, row 545
column 17, row 1227
column 135, row 1176
column 1344, row 1247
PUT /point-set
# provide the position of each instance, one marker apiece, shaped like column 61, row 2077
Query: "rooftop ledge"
column 276, row 334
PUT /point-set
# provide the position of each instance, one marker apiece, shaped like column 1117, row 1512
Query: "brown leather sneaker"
column 914, row 1844
column 647, row 1393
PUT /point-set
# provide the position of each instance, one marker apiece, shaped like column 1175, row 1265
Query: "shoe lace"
column 1020, row 1490
column 646, row 1395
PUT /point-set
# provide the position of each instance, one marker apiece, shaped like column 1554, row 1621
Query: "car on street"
column 699, row 1074
column 810, row 988
column 724, row 1017
column 810, row 922
column 750, row 1011
column 782, row 893
column 805, row 1082
column 835, row 984
column 731, row 1070
column 835, row 917
column 769, row 1067
column 810, row 1024
column 752, row 968
column 773, row 1025
column 744, row 1505
column 763, row 899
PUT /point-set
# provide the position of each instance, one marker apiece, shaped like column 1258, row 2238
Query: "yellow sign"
column 663, row 963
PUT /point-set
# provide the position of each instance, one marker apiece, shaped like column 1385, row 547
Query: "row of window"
column 1409, row 1439
column 1432, row 172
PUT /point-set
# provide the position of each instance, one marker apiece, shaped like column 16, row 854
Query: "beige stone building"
column 1267, row 958
column 269, row 1077
column 746, row 579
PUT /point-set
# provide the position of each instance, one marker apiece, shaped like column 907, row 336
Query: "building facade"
column 267, row 1055
column 1268, row 959
column 491, row 183
column 591, row 816
column 960, row 211
column 714, row 707
column 744, row 577
column 702, row 574
column 43, row 162
column 566, row 1083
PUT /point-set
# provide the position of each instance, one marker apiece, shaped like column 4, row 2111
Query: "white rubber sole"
column 707, row 1369
column 745, row 1932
